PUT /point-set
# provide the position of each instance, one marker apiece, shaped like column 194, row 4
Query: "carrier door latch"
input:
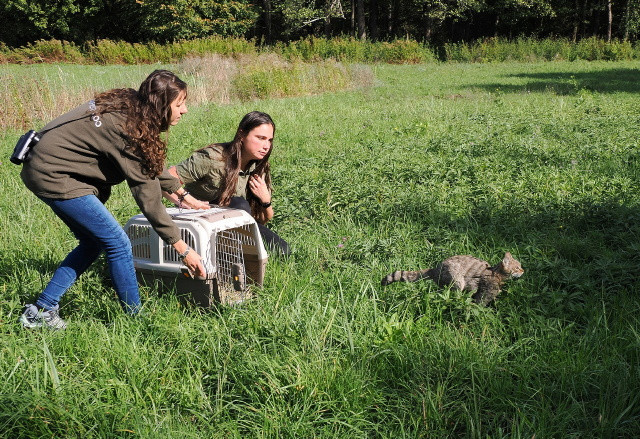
column 237, row 272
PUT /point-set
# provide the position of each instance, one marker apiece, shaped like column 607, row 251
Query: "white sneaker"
column 33, row 318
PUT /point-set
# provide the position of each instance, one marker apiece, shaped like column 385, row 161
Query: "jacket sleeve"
column 148, row 196
column 168, row 182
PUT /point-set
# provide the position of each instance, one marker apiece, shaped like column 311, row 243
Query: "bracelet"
column 182, row 196
column 265, row 205
column 184, row 255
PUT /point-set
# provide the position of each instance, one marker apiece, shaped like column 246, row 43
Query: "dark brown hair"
column 148, row 113
column 232, row 154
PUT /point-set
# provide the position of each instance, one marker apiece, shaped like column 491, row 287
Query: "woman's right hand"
column 193, row 261
column 186, row 202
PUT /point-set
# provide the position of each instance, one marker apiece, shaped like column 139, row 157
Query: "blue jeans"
column 96, row 230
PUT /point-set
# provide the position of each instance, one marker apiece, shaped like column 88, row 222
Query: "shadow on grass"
column 570, row 252
column 617, row 80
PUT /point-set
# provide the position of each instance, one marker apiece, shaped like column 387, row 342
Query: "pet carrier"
column 229, row 242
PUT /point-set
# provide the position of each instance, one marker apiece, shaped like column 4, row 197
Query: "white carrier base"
column 229, row 242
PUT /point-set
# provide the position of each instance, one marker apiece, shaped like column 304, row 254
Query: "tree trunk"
column 327, row 27
column 609, row 21
column 373, row 20
column 353, row 17
column 390, row 18
column 576, row 22
column 627, row 12
column 267, row 20
column 362, row 30
column 428, row 29
column 327, row 20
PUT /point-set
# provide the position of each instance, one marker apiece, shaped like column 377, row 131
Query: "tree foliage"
column 434, row 21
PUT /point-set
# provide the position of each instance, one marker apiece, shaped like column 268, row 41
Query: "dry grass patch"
column 36, row 94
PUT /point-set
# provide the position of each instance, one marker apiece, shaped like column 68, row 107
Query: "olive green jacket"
column 202, row 174
column 84, row 154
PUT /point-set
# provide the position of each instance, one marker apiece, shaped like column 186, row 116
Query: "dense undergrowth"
column 314, row 49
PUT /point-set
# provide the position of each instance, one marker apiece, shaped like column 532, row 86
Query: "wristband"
column 182, row 196
column 265, row 205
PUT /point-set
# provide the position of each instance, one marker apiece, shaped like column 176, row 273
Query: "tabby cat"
column 465, row 273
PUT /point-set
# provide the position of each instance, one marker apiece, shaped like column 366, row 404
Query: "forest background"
column 267, row 21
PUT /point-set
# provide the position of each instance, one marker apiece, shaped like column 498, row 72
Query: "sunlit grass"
column 436, row 160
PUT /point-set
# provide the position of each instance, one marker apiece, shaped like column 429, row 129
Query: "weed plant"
column 539, row 159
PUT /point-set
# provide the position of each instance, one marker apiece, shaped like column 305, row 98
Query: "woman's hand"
column 259, row 188
column 186, row 202
column 192, row 260
column 191, row 202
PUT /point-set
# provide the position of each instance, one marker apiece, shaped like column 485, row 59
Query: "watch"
column 265, row 205
column 184, row 255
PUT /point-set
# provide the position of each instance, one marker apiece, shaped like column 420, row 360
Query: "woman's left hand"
column 259, row 188
column 194, row 203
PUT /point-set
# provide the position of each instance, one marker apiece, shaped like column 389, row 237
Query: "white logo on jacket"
column 94, row 117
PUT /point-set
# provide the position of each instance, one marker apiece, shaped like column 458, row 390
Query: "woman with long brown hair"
column 236, row 174
column 80, row 156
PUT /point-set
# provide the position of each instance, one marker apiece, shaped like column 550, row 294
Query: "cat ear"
column 507, row 259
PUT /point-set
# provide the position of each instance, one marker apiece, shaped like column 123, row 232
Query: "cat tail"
column 407, row 276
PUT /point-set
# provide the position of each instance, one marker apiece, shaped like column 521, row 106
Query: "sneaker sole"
column 27, row 324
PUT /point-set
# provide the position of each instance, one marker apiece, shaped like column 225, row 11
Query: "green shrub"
column 352, row 50
column 533, row 50
column 312, row 49
column 274, row 80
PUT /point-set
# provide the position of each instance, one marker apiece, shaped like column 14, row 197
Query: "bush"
column 352, row 50
column 275, row 79
column 532, row 50
column 342, row 49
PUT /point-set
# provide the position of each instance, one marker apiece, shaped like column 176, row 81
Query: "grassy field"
column 434, row 160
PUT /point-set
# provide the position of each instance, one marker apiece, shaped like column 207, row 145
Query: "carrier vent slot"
column 140, row 241
column 170, row 254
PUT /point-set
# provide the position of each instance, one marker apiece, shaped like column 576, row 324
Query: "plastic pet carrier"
column 229, row 242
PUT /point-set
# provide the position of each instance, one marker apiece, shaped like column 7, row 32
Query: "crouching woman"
column 80, row 156
column 236, row 174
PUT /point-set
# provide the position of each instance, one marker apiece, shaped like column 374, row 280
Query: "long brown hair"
column 232, row 154
column 148, row 113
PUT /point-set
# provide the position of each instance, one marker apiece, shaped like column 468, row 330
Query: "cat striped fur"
column 465, row 273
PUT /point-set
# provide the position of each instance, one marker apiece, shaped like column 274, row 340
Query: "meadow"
column 427, row 161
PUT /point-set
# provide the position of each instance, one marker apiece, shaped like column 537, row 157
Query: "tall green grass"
column 539, row 159
column 352, row 50
column 120, row 52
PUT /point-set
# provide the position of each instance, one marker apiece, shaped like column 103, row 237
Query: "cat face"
column 511, row 266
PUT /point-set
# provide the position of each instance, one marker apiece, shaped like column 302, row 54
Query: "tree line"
column 269, row 21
